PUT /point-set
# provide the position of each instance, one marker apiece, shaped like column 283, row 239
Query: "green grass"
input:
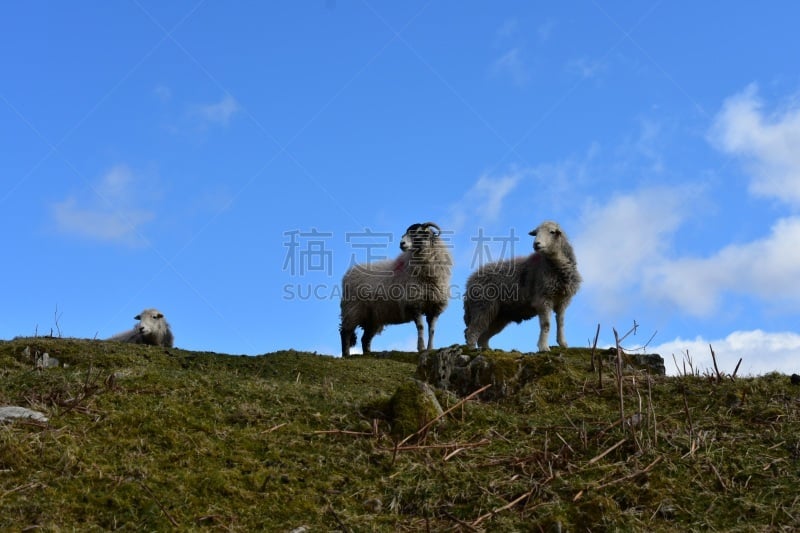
column 143, row 438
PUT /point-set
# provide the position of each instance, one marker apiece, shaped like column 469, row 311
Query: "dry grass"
column 143, row 438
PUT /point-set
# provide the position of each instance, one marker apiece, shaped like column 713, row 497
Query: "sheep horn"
column 432, row 225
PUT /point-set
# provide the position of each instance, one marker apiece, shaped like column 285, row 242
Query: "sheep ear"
column 137, row 317
column 532, row 233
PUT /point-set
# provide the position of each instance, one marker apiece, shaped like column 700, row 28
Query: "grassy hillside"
column 143, row 438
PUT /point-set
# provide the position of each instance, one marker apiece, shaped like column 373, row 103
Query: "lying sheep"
column 399, row 290
column 152, row 329
column 518, row 289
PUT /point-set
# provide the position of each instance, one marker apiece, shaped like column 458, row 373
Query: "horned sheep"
column 152, row 329
column 400, row 290
column 519, row 289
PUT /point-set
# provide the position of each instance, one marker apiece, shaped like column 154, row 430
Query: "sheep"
column 152, row 329
column 400, row 290
column 518, row 289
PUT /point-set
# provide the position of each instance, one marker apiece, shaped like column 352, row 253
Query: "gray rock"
column 12, row 412
column 462, row 371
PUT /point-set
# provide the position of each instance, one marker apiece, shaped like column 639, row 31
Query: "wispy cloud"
column 545, row 30
column 625, row 235
column 483, row 201
column 163, row 92
column 110, row 213
column 760, row 351
column 769, row 144
column 218, row 113
column 512, row 65
column 507, row 30
column 586, row 68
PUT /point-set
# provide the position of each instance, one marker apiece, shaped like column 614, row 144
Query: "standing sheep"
column 521, row 288
column 152, row 329
column 400, row 290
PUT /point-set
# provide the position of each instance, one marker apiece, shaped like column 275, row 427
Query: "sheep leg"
column 420, row 332
column 544, row 330
column 431, row 329
column 491, row 330
column 476, row 317
column 560, row 338
column 366, row 339
column 348, row 339
column 470, row 337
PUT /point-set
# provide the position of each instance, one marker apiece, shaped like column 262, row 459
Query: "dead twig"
column 735, row 370
column 158, row 502
column 460, row 522
column 716, row 369
column 617, row 340
column 20, row 488
column 688, row 415
column 273, row 428
column 594, row 346
column 57, row 317
column 719, row 477
column 509, row 505
column 631, row 475
column 652, row 409
column 482, row 442
column 342, row 432
column 611, row 449
column 336, row 517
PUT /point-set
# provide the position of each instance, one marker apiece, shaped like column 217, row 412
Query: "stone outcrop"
column 463, row 371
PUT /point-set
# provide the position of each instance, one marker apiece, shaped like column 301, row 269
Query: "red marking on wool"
column 399, row 265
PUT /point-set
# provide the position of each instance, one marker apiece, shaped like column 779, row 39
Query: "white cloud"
column 586, row 68
column 163, row 93
column 512, row 64
column 483, row 201
column 545, row 30
column 769, row 144
column 761, row 352
column 625, row 235
column 767, row 269
column 218, row 113
column 213, row 200
column 509, row 29
column 648, row 144
column 111, row 213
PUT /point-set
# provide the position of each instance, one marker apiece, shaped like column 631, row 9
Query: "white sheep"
column 400, row 290
column 518, row 289
column 152, row 329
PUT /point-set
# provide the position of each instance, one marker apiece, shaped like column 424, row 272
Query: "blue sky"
column 226, row 162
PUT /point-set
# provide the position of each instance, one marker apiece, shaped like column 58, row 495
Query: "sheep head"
column 148, row 320
column 547, row 238
column 418, row 236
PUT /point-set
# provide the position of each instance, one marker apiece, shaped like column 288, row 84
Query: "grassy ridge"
column 142, row 438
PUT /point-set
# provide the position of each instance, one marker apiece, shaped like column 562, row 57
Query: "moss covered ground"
column 146, row 438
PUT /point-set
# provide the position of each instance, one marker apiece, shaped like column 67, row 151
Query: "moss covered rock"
column 464, row 371
column 413, row 405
